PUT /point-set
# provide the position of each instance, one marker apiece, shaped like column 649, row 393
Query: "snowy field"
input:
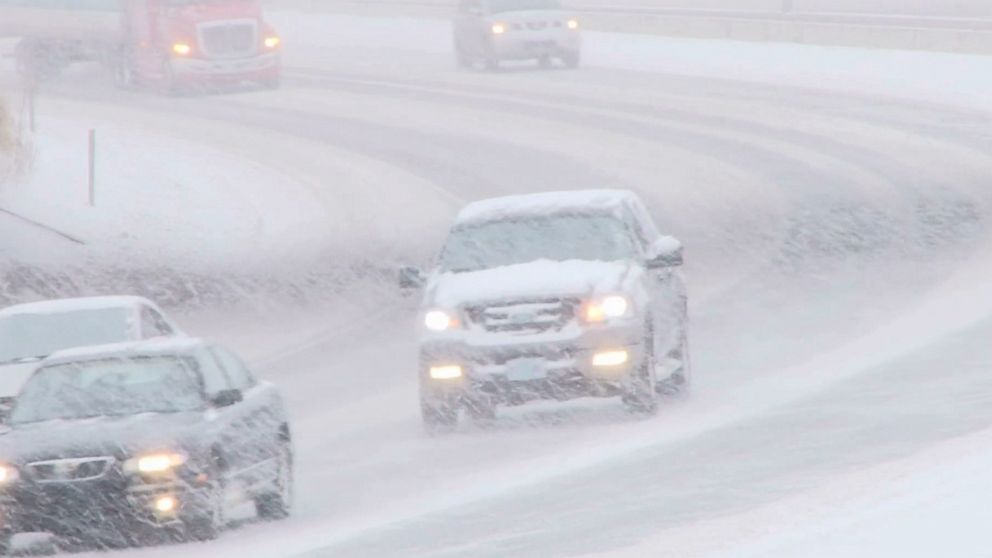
column 834, row 204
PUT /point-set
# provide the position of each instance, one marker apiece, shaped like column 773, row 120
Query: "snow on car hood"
column 13, row 376
column 534, row 279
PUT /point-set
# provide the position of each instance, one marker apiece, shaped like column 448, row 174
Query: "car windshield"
column 109, row 387
column 517, row 241
column 28, row 336
column 497, row 6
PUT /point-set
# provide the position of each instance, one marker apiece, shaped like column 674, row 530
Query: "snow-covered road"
column 839, row 246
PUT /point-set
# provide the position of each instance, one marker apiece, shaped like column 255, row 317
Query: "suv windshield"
column 110, row 387
column 25, row 336
column 497, row 6
column 560, row 238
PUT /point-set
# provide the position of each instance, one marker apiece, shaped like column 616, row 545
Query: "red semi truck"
column 168, row 44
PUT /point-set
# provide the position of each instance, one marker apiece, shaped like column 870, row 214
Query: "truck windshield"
column 110, row 387
column 516, row 241
column 26, row 336
column 497, row 6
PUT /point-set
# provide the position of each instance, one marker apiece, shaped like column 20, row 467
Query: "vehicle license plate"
column 524, row 369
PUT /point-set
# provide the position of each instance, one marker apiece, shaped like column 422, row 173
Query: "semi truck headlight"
column 615, row 306
column 154, row 463
column 182, row 49
column 439, row 320
column 272, row 42
column 572, row 24
column 8, row 474
column 499, row 28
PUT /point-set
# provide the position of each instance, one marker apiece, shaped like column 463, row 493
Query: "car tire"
column 572, row 60
column 277, row 504
column 641, row 393
column 545, row 62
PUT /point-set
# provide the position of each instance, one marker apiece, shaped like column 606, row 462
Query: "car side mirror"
column 227, row 397
column 667, row 253
column 411, row 278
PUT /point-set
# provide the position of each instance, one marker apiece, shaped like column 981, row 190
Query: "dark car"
column 108, row 446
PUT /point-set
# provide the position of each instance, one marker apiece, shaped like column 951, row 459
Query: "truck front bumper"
column 195, row 71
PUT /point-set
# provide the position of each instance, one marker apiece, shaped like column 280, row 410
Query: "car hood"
column 120, row 437
column 536, row 279
column 13, row 376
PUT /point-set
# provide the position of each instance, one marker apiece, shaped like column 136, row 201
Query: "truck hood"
column 121, row 437
column 535, row 279
column 13, row 376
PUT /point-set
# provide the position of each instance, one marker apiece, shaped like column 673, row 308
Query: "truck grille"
column 525, row 316
column 229, row 39
column 70, row 470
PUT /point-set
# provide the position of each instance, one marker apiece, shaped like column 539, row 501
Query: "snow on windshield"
column 522, row 240
column 25, row 336
column 109, row 387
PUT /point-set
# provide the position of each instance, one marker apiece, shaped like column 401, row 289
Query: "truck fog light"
column 447, row 372
column 165, row 504
column 610, row 358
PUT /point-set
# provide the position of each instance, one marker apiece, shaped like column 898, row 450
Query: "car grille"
column 227, row 40
column 70, row 470
column 525, row 316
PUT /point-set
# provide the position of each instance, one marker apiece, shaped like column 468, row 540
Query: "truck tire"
column 278, row 503
column 438, row 417
column 641, row 393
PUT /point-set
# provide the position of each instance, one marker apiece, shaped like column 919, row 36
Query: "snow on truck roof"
column 575, row 201
column 63, row 305
column 165, row 346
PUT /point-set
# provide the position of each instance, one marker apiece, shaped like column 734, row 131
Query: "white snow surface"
column 838, row 255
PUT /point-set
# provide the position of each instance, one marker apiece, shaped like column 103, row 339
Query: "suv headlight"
column 154, row 463
column 602, row 309
column 440, row 320
column 8, row 474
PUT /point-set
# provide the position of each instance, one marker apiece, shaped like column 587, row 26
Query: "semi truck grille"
column 229, row 39
column 525, row 316
column 70, row 470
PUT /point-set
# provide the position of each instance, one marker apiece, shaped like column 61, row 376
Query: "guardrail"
column 753, row 20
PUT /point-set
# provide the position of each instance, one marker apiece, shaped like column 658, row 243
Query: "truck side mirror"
column 411, row 278
column 667, row 252
column 6, row 405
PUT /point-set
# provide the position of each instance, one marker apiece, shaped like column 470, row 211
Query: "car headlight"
column 600, row 310
column 8, row 474
column 154, row 463
column 572, row 24
column 440, row 320
column 499, row 28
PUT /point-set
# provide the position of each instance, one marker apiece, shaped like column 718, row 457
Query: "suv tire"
column 641, row 395
column 277, row 504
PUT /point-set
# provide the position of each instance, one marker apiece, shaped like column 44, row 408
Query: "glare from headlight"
column 610, row 358
column 446, row 372
column 7, row 474
column 615, row 306
column 439, row 320
column 155, row 463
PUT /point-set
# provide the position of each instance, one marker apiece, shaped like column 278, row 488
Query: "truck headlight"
column 272, row 42
column 440, row 320
column 154, row 463
column 182, row 49
column 614, row 306
column 572, row 24
column 8, row 474
column 499, row 28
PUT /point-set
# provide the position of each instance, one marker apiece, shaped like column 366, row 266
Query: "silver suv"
column 551, row 296
column 489, row 31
